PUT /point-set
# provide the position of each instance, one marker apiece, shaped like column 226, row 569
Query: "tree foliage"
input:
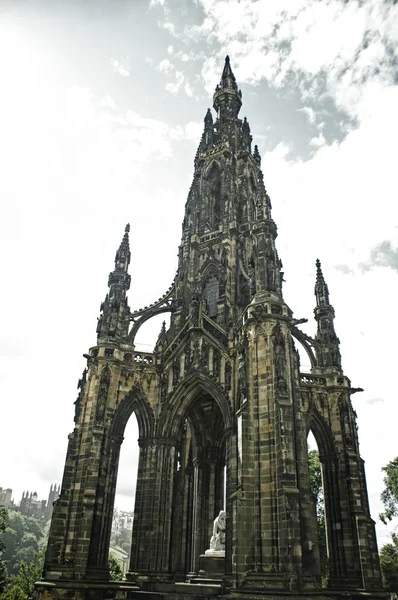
column 21, row 585
column 21, row 538
column 115, row 569
column 389, row 564
column 389, row 495
column 3, row 568
column 389, row 552
column 122, row 539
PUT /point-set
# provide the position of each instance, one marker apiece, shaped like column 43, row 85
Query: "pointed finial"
column 256, row 155
column 319, row 274
column 321, row 288
column 228, row 78
column 122, row 259
column 227, row 98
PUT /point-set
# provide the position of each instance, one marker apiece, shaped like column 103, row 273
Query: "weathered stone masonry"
column 221, row 397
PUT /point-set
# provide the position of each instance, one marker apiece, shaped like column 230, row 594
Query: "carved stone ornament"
column 102, row 396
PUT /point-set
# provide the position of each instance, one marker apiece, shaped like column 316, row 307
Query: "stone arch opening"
column 123, row 511
column 134, row 402
column 199, row 485
column 333, row 542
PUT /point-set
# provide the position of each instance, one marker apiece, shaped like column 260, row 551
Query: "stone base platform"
column 89, row 590
column 200, row 588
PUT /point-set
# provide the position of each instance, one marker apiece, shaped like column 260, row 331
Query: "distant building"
column 6, row 497
column 30, row 505
column 122, row 520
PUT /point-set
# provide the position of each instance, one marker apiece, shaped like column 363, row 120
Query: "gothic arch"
column 211, row 267
column 322, row 432
column 151, row 312
column 187, row 392
column 135, row 401
column 212, row 166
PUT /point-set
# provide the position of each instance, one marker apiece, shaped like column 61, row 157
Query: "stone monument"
column 223, row 409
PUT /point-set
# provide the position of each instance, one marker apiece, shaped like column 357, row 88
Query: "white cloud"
column 165, row 66
column 347, row 43
column 120, row 67
column 178, row 82
column 193, row 130
column 309, row 112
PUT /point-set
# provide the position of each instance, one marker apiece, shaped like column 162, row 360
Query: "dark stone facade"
column 221, row 396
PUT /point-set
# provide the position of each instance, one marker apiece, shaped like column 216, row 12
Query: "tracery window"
column 212, row 294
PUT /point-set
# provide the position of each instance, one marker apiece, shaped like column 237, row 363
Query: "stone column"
column 197, row 514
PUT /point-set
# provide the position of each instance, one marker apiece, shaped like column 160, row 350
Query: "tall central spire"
column 227, row 99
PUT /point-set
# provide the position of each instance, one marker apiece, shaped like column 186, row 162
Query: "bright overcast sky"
column 101, row 112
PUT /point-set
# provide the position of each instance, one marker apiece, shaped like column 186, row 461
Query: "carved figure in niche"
column 242, row 390
column 216, row 363
column 280, row 359
column 102, row 396
column 163, row 387
column 187, row 358
column 217, row 540
column 99, row 324
column 176, row 371
column 244, row 290
column 81, row 384
column 194, row 313
column 205, row 355
column 345, row 418
column 228, row 376
column 78, row 405
column 270, row 277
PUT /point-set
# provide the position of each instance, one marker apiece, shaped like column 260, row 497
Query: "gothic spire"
column 228, row 80
column 321, row 289
column 123, row 255
column 114, row 318
column 227, row 99
column 327, row 344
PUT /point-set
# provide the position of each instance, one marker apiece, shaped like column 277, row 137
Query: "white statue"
column 217, row 541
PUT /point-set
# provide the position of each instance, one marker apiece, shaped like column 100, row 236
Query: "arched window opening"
column 123, row 512
column 318, row 497
column 212, row 293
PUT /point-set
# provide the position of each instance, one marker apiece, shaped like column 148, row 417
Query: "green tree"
column 21, row 585
column 389, row 564
column 122, row 539
column 389, row 495
column 3, row 568
column 315, row 470
column 115, row 569
column 389, row 552
column 21, row 538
